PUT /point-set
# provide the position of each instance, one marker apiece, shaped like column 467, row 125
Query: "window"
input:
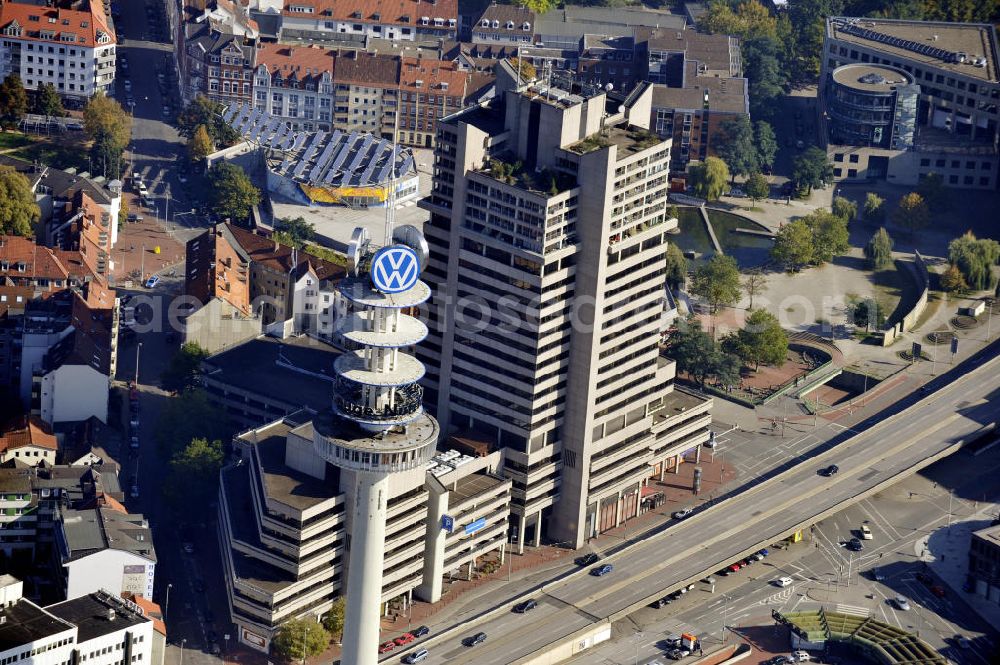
column 925, row 162
column 953, row 179
column 853, row 159
column 838, row 157
column 984, row 182
column 852, row 173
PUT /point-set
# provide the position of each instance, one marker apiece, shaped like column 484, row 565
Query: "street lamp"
column 725, row 617
column 166, row 604
column 183, row 642
column 138, row 348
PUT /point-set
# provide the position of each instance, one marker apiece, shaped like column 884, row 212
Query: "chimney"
column 111, row 614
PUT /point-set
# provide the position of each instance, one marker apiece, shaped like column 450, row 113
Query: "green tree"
column 933, row 191
column 334, row 619
column 203, row 111
column 48, row 102
column 757, row 187
column 766, row 75
column 200, row 145
column 878, row 251
column 298, row 229
column 745, row 19
column 811, row 168
column 13, row 102
column 717, row 281
column 710, row 178
column 760, row 340
column 975, row 257
column 845, row 208
column 188, row 416
column 754, row 284
column 952, row 280
column 767, row 143
column 183, row 370
column 693, row 349
column 193, row 474
column 867, row 314
column 676, row 266
column 912, row 212
column 538, row 6
column 735, row 145
column 725, row 368
column 18, row 210
column 110, row 129
column 807, row 19
column 298, row 639
column 874, row 209
column 232, row 193
column 793, row 245
column 830, row 236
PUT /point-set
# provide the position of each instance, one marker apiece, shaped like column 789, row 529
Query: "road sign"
column 448, row 523
column 954, row 345
column 395, row 269
column 475, row 526
column 916, row 350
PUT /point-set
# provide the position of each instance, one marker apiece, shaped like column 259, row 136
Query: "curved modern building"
column 871, row 105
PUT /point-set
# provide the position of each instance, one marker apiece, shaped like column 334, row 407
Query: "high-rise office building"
column 547, row 234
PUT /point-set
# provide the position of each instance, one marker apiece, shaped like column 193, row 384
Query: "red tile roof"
column 274, row 255
column 362, row 68
column 37, row 261
column 431, row 74
column 302, row 61
column 390, row 12
column 82, row 26
column 34, row 433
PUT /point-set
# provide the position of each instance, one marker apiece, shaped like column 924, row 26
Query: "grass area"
column 10, row 140
column 59, row 155
column 896, row 290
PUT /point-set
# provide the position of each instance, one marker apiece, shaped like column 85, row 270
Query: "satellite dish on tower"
column 412, row 237
column 356, row 249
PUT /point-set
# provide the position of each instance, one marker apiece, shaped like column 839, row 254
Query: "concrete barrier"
column 577, row 643
column 909, row 320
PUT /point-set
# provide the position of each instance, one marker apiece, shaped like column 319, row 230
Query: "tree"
column 48, row 102
column 867, row 314
column 538, row 6
column 717, row 281
column 952, row 280
column 110, row 128
column 746, row 19
column 193, row 474
column 200, row 145
column 830, row 236
column 726, row 368
column 933, row 191
column 845, row 208
column 912, row 212
column 757, row 187
column 693, row 349
column 298, row 229
column 13, row 102
column 18, row 210
column 334, row 619
column 754, row 284
column 767, row 77
column 232, row 193
column 767, row 143
column 874, row 210
column 182, row 372
column 793, row 245
column 525, row 69
column 735, row 145
column 878, row 251
column 710, row 178
column 203, row 111
column 811, row 168
column 186, row 417
column 975, row 258
column 676, row 266
column 298, row 639
column 761, row 340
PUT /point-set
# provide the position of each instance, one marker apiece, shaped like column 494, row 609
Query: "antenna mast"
column 390, row 199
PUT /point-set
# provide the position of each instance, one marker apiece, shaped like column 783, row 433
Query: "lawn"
column 10, row 140
column 60, row 153
column 896, row 291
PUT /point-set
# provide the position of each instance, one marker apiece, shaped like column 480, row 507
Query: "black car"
column 661, row 602
column 829, row 470
column 855, row 545
column 526, row 606
column 473, row 640
column 587, row 559
column 420, row 632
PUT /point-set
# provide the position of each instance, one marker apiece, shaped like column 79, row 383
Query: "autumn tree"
column 912, row 213
column 13, row 102
column 525, row 69
column 204, row 111
column 110, row 129
column 233, row 196
column 952, row 280
column 200, row 145
column 298, row 639
column 18, row 210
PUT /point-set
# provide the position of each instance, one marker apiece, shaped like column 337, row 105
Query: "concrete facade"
column 73, row 393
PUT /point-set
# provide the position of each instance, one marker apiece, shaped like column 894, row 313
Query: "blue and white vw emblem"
column 395, row 269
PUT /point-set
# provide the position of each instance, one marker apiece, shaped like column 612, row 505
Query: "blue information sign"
column 448, row 523
column 475, row 526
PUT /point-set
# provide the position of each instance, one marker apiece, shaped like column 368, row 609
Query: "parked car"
column 784, row 581
column 681, row 514
column 660, row 602
column 855, row 545
column 405, row 638
column 777, row 660
column 736, row 193
column 829, row 471
column 421, row 631
column 902, row 603
column 386, row 647
column 801, row 656
column 152, row 281
column 866, row 532
column 416, row 656
column 473, row 640
column 601, row 571
column 525, row 606
column 587, row 559
column 678, row 653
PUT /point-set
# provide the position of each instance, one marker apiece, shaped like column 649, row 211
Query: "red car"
column 734, row 567
column 938, row 591
column 386, row 647
column 405, row 638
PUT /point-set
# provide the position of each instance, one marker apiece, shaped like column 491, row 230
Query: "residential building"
column 284, row 526
column 504, row 24
column 920, row 97
column 219, row 47
column 70, row 46
column 984, row 563
column 542, row 200
column 25, row 263
column 18, row 514
column 109, row 629
column 104, row 548
column 30, row 634
column 155, row 614
column 400, row 20
column 30, row 444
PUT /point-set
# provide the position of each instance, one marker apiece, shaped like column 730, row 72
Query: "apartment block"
column 284, row 526
column 400, row 20
column 68, row 45
column 902, row 99
column 551, row 203
column 219, row 54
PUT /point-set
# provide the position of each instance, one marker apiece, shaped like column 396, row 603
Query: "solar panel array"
column 338, row 159
column 908, row 44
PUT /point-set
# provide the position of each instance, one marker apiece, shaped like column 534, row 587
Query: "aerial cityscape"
column 509, row 332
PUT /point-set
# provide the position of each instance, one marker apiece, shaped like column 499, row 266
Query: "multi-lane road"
column 715, row 536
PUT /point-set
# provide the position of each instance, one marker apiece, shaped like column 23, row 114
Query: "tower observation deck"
column 378, row 427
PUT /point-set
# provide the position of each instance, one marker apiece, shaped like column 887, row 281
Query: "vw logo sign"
column 395, row 269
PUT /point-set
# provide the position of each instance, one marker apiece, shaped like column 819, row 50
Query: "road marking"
column 885, row 524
